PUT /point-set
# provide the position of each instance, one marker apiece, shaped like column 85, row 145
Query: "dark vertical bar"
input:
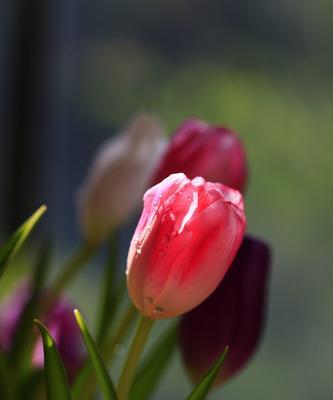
column 26, row 62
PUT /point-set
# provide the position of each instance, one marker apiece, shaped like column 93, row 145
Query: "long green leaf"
column 6, row 387
column 201, row 390
column 56, row 380
column 154, row 365
column 10, row 248
column 102, row 374
column 23, row 337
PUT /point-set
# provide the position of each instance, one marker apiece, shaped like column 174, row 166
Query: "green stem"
column 133, row 357
column 68, row 272
column 124, row 326
column 107, row 307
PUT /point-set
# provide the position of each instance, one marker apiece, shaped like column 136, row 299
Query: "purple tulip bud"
column 59, row 320
column 61, row 323
column 232, row 316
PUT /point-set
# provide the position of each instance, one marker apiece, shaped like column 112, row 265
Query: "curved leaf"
column 56, row 380
column 10, row 248
column 22, row 339
column 102, row 374
column 201, row 390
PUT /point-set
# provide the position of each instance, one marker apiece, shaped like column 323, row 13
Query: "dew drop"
column 166, row 239
column 158, row 310
column 172, row 217
column 174, row 233
column 162, row 253
column 138, row 250
column 148, row 300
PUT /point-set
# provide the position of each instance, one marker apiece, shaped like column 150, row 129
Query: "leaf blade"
column 56, row 380
column 101, row 371
column 11, row 247
column 202, row 388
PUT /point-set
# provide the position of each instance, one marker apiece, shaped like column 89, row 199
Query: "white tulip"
column 119, row 176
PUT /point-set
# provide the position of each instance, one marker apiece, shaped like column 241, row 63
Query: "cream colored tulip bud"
column 119, row 176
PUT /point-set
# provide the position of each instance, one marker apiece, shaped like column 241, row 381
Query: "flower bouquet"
column 189, row 261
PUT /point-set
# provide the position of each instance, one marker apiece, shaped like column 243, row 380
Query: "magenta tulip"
column 232, row 316
column 61, row 323
column 213, row 152
column 187, row 237
column 59, row 320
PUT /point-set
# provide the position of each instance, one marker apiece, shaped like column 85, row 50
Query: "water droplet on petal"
column 174, row 233
column 166, row 239
column 158, row 310
column 136, row 239
column 139, row 250
column 148, row 300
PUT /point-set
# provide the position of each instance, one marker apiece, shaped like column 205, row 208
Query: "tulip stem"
column 68, row 272
column 133, row 357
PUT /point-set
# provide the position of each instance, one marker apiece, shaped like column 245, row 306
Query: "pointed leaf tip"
column 201, row 390
column 10, row 248
column 101, row 371
column 55, row 375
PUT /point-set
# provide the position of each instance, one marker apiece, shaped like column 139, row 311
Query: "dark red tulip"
column 214, row 152
column 232, row 316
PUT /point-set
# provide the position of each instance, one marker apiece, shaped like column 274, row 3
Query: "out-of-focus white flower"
column 119, row 176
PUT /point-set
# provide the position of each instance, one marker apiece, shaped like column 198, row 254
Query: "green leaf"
column 9, row 249
column 154, row 365
column 6, row 387
column 102, row 374
column 201, row 390
column 56, row 380
column 22, row 340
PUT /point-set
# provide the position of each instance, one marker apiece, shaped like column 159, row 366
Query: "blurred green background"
column 262, row 68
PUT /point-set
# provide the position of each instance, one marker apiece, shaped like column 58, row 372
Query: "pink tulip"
column 187, row 237
column 232, row 316
column 213, row 152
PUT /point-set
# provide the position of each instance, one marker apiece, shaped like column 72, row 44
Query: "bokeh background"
column 73, row 71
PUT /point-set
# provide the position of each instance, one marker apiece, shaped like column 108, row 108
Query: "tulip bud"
column 213, row 152
column 59, row 320
column 187, row 236
column 61, row 323
column 231, row 316
column 119, row 176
